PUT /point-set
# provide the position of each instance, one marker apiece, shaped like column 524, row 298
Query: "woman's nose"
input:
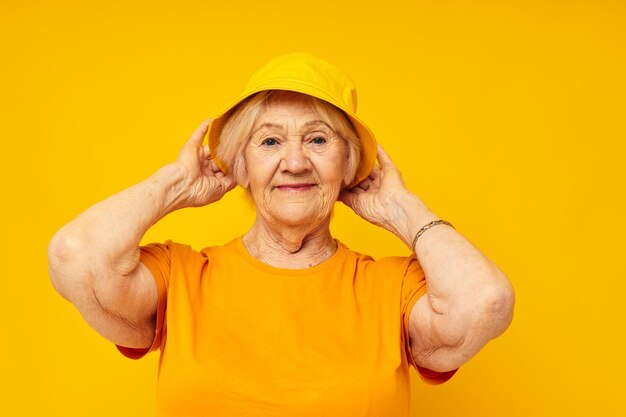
column 295, row 158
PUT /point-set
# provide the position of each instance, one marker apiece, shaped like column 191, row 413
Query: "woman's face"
column 295, row 164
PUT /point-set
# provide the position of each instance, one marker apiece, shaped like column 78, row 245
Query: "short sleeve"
column 414, row 287
column 157, row 258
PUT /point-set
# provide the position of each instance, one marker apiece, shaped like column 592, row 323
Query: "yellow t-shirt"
column 241, row 338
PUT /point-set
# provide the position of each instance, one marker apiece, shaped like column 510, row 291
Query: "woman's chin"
column 299, row 217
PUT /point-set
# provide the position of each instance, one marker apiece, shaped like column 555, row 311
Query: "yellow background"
column 506, row 118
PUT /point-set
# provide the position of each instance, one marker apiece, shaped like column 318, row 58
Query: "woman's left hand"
column 376, row 198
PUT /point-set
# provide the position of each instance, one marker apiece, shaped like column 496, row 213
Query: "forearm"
column 109, row 232
column 463, row 284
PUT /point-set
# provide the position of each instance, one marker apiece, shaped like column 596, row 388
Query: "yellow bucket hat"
column 307, row 74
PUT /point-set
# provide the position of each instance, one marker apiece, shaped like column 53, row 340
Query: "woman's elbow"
column 498, row 306
column 64, row 267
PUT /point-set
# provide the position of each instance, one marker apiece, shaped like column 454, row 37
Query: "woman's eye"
column 318, row 140
column 269, row 142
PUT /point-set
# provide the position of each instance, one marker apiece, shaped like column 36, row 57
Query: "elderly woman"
column 285, row 320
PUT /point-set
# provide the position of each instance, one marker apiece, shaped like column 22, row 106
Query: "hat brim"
column 366, row 137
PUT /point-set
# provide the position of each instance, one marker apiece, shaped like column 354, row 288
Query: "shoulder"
column 224, row 253
column 186, row 250
column 388, row 265
column 170, row 254
column 168, row 247
column 387, row 260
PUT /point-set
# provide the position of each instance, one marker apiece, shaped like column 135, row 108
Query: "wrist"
column 169, row 188
column 414, row 214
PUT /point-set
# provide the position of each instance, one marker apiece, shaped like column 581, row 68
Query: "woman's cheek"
column 328, row 198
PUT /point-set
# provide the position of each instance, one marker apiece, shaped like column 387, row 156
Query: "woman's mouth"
column 296, row 188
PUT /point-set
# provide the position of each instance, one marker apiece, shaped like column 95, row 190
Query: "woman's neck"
column 290, row 247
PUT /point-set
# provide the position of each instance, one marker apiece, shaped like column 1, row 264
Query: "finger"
column 229, row 182
column 213, row 166
column 375, row 173
column 351, row 197
column 365, row 184
column 203, row 152
column 377, row 181
column 384, row 159
column 207, row 169
column 347, row 198
column 198, row 136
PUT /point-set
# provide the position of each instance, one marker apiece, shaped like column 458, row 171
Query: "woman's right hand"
column 204, row 182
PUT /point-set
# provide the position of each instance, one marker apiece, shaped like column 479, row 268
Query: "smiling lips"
column 296, row 188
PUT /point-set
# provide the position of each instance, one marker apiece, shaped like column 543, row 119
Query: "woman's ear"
column 240, row 173
column 351, row 166
column 348, row 176
column 245, row 182
column 346, row 183
column 346, row 180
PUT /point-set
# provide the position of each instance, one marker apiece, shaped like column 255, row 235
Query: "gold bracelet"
column 428, row 226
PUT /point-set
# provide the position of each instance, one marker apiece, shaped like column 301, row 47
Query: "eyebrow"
column 279, row 126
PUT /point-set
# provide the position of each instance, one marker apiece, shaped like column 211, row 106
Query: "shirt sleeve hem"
column 138, row 353
column 434, row 377
column 428, row 376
